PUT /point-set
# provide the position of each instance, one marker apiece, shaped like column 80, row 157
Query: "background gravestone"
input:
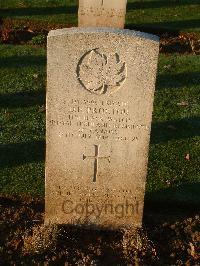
column 99, row 108
column 102, row 13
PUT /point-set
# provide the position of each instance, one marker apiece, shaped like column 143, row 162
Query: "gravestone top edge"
column 93, row 30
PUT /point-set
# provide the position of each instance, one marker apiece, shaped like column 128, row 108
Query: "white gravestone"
column 99, row 108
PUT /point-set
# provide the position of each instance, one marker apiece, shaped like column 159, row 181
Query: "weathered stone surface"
column 99, row 109
column 102, row 13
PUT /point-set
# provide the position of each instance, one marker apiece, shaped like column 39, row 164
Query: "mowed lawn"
column 174, row 163
column 170, row 15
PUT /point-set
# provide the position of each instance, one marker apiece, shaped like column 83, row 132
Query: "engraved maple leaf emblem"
column 101, row 74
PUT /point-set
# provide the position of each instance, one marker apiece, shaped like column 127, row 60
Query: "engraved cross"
column 96, row 158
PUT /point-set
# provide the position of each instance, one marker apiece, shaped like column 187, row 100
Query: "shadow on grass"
column 177, row 129
column 22, row 61
column 177, row 80
column 165, row 26
column 139, row 4
column 22, row 99
column 173, row 203
column 41, row 11
column 21, row 153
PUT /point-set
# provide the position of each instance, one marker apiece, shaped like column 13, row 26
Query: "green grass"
column 175, row 129
column 170, row 15
column 176, row 132
column 22, row 125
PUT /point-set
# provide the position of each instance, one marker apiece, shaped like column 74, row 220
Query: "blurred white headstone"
column 102, row 13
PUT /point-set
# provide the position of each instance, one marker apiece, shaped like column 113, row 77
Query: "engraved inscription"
column 101, row 74
column 96, row 158
column 98, row 120
column 116, row 192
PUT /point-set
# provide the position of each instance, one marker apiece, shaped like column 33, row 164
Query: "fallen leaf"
column 184, row 103
column 171, row 127
column 187, row 157
column 192, row 251
column 167, row 67
column 41, row 109
column 35, row 76
column 29, row 30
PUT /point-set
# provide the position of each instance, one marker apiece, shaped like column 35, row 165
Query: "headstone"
column 102, row 13
column 99, row 108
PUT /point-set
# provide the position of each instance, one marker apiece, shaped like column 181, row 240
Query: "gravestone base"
column 99, row 108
